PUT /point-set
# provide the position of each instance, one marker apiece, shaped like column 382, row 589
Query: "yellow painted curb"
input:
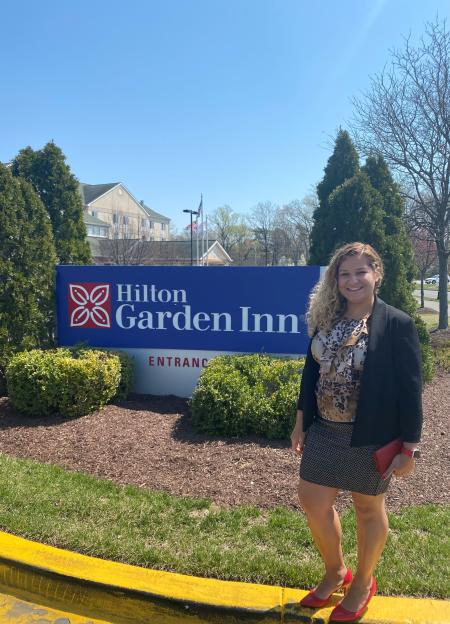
column 109, row 587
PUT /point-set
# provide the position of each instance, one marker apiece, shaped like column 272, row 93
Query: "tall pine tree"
column 368, row 207
column 57, row 187
column 355, row 213
column 398, row 254
column 342, row 165
column 27, row 267
column 397, row 251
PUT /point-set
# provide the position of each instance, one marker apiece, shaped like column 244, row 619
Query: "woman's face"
column 357, row 280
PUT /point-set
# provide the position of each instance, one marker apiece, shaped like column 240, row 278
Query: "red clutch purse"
column 384, row 455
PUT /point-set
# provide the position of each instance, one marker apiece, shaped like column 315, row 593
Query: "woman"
column 361, row 388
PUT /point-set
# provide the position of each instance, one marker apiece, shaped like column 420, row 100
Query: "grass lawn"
column 194, row 536
column 430, row 287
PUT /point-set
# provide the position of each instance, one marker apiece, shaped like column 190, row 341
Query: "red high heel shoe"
column 341, row 614
column 313, row 601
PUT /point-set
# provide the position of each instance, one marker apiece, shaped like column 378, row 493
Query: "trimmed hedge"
column 239, row 395
column 426, row 349
column 61, row 381
column 126, row 369
column 126, row 376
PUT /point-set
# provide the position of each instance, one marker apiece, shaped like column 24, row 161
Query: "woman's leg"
column 372, row 530
column 323, row 520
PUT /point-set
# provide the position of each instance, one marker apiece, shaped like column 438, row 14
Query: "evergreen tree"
column 58, row 189
column 27, row 265
column 397, row 254
column 368, row 207
column 397, row 251
column 342, row 165
column 355, row 213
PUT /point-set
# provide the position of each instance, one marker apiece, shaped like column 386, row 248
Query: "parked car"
column 434, row 279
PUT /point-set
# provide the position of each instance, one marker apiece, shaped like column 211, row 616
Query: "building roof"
column 91, row 192
column 91, row 220
column 171, row 250
column 154, row 215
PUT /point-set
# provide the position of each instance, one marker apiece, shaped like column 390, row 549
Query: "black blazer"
column 390, row 398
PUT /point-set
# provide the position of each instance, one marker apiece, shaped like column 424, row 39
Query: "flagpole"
column 203, row 237
column 199, row 213
column 196, row 230
column 207, row 244
column 191, row 242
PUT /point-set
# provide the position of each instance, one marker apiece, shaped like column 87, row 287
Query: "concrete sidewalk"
column 87, row 590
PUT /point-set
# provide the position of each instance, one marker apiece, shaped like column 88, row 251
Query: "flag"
column 194, row 226
column 200, row 207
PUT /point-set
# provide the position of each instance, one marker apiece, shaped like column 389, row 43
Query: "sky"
column 239, row 100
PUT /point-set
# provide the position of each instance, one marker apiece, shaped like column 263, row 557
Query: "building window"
column 150, row 225
column 94, row 213
column 144, row 223
column 163, row 226
column 115, row 219
column 125, row 219
column 96, row 230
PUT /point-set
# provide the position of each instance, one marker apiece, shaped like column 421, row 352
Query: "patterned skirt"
column 328, row 459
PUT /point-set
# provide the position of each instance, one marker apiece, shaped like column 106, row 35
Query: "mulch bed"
column 440, row 337
column 149, row 442
column 426, row 311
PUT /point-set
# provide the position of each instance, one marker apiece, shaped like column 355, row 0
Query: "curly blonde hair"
column 326, row 304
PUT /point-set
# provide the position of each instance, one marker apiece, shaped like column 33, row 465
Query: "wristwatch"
column 415, row 453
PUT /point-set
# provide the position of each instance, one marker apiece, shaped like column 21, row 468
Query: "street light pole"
column 191, row 212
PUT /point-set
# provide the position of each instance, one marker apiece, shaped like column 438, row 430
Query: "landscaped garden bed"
column 149, row 442
column 159, row 494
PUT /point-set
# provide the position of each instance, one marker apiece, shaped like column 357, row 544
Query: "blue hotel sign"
column 246, row 309
column 171, row 318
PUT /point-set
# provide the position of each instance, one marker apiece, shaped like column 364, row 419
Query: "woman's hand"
column 297, row 439
column 401, row 466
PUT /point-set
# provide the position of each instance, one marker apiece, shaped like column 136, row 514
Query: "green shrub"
column 239, row 395
column 126, row 369
column 126, row 376
column 3, row 389
column 60, row 381
column 425, row 348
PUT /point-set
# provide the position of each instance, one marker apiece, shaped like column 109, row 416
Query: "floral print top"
column 341, row 352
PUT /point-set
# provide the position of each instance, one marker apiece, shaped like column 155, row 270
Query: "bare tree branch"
column 405, row 117
column 262, row 220
column 124, row 248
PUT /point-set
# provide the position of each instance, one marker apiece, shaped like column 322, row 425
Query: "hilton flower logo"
column 90, row 305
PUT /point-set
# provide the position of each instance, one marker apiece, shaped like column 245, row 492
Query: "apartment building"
column 111, row 211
